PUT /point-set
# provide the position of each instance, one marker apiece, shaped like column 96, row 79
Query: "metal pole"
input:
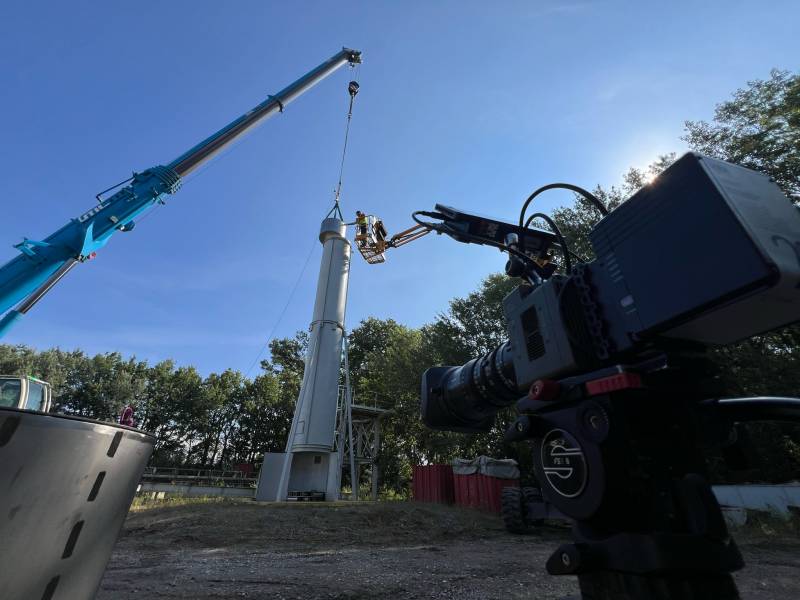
column 349, row 414
column 189, row 161
column 376, row 445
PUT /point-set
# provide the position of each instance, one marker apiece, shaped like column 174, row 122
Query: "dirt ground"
column 370, row 551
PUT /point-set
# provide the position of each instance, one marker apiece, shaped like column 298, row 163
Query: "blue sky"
column 472, row 104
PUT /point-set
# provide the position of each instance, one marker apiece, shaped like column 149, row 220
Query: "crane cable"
column 271, row 335
column 352, row 89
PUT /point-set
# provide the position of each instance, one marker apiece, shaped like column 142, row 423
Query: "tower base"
column 299, row 476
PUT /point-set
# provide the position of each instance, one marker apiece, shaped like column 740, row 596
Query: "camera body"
column 708, row 253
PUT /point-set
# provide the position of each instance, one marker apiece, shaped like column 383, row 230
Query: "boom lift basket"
column 371, row 245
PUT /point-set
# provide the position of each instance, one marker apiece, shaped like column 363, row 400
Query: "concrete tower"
column 310, row 464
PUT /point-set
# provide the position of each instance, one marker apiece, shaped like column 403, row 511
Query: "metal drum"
column 66, row 484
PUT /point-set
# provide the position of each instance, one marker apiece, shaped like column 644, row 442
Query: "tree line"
column 225, row 418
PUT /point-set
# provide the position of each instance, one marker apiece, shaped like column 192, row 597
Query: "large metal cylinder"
column 315, row 415
column 65, row 487
column 310, row 466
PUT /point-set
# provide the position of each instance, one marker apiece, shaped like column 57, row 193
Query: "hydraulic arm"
column 531, row 244
column 41, row 264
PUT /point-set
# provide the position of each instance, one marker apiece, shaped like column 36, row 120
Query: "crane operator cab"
column 370, row 238
column 27, row 393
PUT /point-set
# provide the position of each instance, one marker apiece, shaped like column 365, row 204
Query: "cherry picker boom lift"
column 374, row 246
column 41, row 264
column 534, row 243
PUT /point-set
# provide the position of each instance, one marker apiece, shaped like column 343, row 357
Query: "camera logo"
column 563, row 463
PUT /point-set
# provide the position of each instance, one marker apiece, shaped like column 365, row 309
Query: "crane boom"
column 41, row 264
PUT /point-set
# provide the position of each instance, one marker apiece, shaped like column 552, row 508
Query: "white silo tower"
column 311, row 466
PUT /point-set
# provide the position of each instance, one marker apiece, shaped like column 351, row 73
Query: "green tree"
column 264, row 419
column 287, row 363
column 99, row 387
column 217, row 415
column 371, row 338
column 758, row 128
column 388, row 369
column 173, row 397
column 473, row 325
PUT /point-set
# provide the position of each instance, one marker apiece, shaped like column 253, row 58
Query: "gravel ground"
column 367, row 551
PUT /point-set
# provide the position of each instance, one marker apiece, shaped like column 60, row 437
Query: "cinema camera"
column 606, row 364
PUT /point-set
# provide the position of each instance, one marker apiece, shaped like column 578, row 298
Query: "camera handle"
column 620, row 452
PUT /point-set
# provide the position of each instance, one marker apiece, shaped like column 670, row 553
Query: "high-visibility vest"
column 362, row 220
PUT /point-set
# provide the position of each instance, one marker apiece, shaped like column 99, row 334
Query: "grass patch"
column 765, row 528
column 143, row 502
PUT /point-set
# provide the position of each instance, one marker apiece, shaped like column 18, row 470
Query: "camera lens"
column 466, row 398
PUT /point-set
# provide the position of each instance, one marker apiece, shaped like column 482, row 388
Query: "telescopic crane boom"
column 41, row 264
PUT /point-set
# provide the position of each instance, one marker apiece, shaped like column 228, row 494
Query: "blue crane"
column 43, row 263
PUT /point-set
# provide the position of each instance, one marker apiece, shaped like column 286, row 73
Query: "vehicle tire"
column 512, row 510
column 531, row 495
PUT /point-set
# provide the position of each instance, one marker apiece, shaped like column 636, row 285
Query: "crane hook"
column 353, row 88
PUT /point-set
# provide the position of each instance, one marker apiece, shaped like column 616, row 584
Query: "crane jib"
column 189, row 161
column 84, row 235
column 42, row 264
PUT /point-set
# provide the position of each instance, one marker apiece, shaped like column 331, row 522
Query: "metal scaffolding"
column 358, row 427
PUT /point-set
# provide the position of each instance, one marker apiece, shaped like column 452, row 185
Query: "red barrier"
column 433, row 483
column 474, row 492
column 481, row 491
column 461, row 489
column 437, row 483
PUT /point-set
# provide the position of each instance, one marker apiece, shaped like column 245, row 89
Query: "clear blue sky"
column 468, row 103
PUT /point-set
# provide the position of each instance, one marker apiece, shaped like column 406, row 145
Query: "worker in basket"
column 380, row 234
column 379, row 229
column 361, row 223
